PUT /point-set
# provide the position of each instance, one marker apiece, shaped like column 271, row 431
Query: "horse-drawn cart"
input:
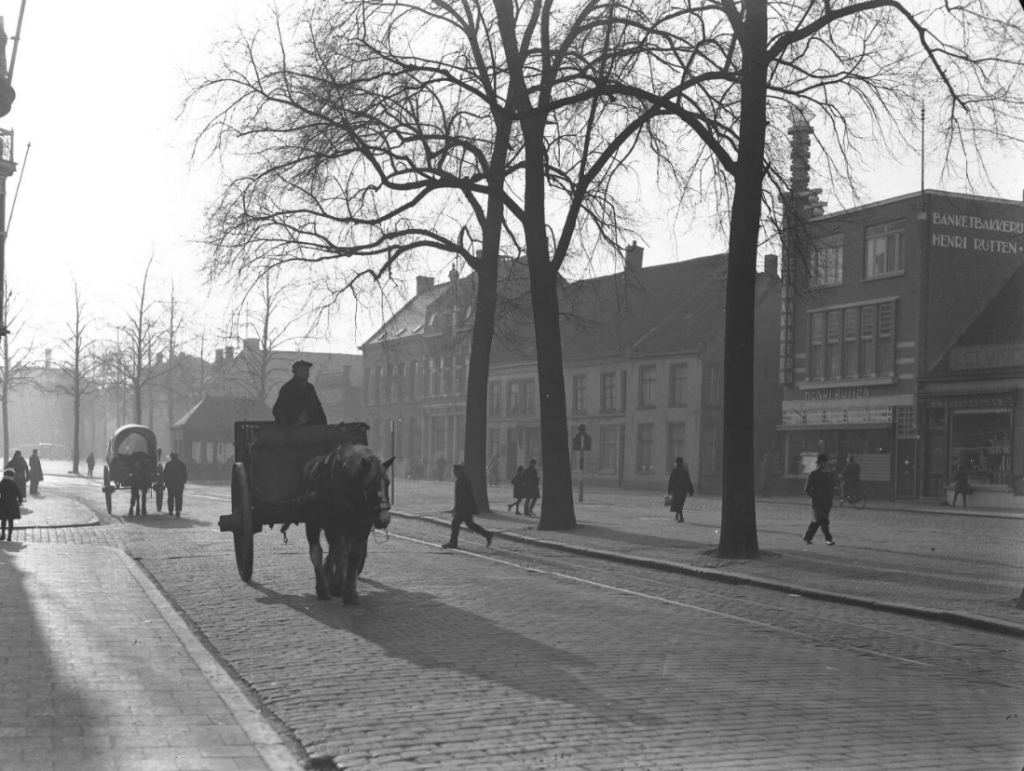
column 267, row 478
column 131, row 463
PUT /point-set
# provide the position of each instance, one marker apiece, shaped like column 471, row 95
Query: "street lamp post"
column 581, row 442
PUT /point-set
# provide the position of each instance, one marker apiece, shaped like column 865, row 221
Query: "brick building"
column 878, row 302
column 643, row 359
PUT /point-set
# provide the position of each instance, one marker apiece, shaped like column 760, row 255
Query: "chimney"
column 771, row 265
column 807, row 201
column 218, row 356
column 423, row 283
column 229, row 353
column 453, row 275
column 49, row 358
column 634, row 258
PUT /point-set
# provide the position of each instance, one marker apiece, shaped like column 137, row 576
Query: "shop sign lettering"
column 986, row 357
column 976, row 243
column 786, row 323
column 967, row 402
column 826, row 394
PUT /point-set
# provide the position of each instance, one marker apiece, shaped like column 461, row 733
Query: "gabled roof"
column 409, row 320
column 1001, row 323
column 221, row 412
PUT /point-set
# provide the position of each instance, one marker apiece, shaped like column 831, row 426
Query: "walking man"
column 820, row 488
column 679, row 486
column 531, row 487
column 35, row 472
column 175, row 476
column 465, row 509
column 90, row 463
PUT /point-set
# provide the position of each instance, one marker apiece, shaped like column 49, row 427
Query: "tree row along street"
column 523, row 657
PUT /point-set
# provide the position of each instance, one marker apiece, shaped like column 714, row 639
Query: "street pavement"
column 452, row 662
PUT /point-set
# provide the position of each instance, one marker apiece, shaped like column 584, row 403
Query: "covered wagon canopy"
column 130, row 439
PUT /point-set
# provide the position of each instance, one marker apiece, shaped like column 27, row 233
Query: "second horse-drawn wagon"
column 132, row 463
column 323, row 476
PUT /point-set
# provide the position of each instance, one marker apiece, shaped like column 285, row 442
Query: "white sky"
column 108, row 178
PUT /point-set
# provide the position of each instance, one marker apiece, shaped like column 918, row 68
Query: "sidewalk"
column 963, row 566
column 98, row 671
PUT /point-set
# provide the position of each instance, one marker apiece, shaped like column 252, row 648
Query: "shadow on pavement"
column 452, row 639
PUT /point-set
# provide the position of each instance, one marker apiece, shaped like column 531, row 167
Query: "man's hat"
column 174, row 455
column 301, row 363
column 823, row 458
column 9, row 472
column 458, row 467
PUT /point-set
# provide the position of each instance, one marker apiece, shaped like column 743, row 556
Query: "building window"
column 816, row 370
column 850, row 318
column 835, row 362
column 460, row 376
column 608, row 392
column 529, row 390
column 494, row 402
column 645, row 447
column 579, row 394
column 648, row 374
column 493, row 442
column 608, row 449
column 447, row 374
column 435, row 378
column 712, row 456
column 883, row 251
column 513, row 398
column 885, row 346
column 867, row 341
column 400, row 383
column 677, row 385
column 714, row 381
column 826, row 268
column 413, row 366
column 675, row 444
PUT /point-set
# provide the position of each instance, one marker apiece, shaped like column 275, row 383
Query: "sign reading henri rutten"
column 986, row 242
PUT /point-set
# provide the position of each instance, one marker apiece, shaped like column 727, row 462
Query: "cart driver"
column 297, row 403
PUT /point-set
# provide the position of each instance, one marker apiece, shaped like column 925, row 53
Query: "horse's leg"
column 354, row 556
column 337, row 555
column 316, row 556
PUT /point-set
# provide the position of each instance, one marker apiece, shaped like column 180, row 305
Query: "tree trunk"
column 75, row 446
column 739, row 521
column 475, row 448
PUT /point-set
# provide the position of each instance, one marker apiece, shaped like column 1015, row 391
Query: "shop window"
column 648, row 375
column 677, row 385
column 608, row 392
column 835, row 362
column 608, row 450
column 579, row 394
column 675, row 444
column 645, row 448
column 980, row 441
column 826, row 266
column 817, row 351
column 494, row 401
column 883, row 251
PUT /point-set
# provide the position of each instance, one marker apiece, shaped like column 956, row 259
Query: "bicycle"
column 856, row 497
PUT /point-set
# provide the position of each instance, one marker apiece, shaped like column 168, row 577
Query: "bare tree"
column 197, row 376
column 138, row 343
column 78, row 369
column 16, row 350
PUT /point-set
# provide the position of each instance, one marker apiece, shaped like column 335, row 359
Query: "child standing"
column 10, row 497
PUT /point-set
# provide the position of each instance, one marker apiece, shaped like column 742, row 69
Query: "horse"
column 141, row 466
column 349, row 494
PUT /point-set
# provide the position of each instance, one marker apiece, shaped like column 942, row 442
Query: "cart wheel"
column 108, row 490
column 862, row 501
column 159, row 497
column 241, row 503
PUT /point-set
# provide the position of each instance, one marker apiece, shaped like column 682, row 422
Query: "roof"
column 409, row 319
column 1000, row 324
column 221, row 412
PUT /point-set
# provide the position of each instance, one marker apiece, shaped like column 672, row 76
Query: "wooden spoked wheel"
column 241, row 513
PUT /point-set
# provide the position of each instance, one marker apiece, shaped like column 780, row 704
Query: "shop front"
column 973, row 431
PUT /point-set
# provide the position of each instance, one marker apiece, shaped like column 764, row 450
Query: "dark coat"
column 91, row 461
column 465, row 501
column 295, row 397
column 35, row 468
column 10, row 497
column 851, row 473
column 517, row 485
column 531, row 482
column 175, row 474
column 820, row 488
column 679, row 486
column 963, row 485
column 20, row 466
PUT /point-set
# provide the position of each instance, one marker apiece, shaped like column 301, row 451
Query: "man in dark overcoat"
column 820, row 488
column 465, row 509
column 175, row 476
column 679, row 486
column 297, row 402
column 35, row 472
column 531, row 487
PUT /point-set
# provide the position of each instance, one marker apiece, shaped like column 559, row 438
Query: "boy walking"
column 820, row 488
column 465, row 509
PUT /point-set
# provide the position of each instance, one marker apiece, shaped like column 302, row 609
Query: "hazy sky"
column 109, row 181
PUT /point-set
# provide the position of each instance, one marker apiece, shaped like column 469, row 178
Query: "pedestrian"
column 517, row 490
column 35, row 472
column 20, row 466
column 850, row 479
column 531, row 487
column 90, row 463
column 963, row 486
column 10, row 497
column 766, row 470
column 465, row 509
column 679, row 486
column 297, row 403
column 174, row 478
column 820, row 488
column 439, row 467
column 493, row 478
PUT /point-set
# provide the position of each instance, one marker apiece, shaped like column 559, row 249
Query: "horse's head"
column 361, row 478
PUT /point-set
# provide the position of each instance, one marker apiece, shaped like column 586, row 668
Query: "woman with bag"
column 679, row 486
